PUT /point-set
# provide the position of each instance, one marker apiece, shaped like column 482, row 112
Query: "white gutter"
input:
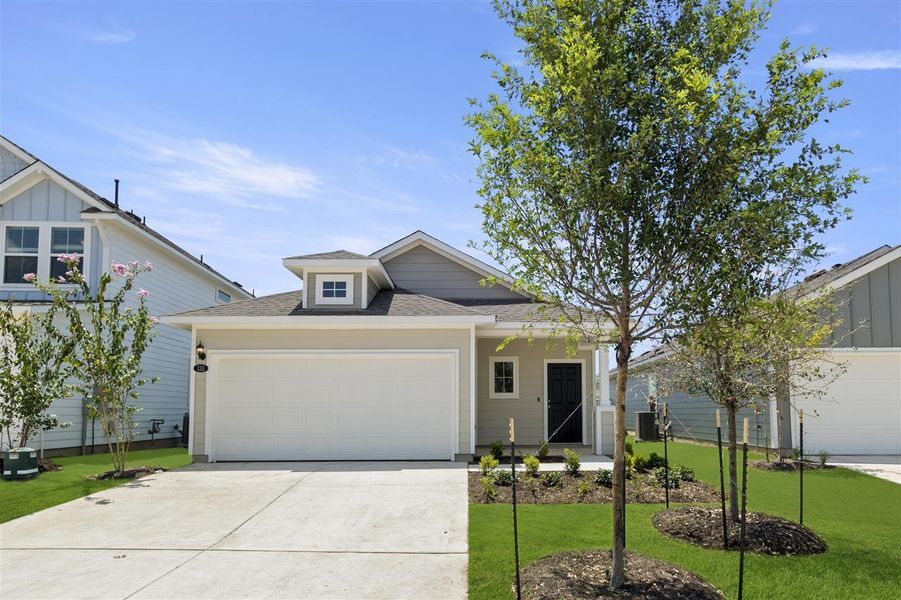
column 324, row 322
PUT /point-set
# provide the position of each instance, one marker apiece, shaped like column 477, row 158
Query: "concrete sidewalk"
column 886, row 467
column 252, row 530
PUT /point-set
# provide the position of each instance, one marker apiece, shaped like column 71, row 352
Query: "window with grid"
column 504, row 382
column 65, row 240
column 20, row 253
column 334, row 289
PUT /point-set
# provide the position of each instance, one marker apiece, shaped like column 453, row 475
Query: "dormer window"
column 334, row 289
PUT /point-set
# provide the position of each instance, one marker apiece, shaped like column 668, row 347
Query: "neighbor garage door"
column 333, row 406
column 862, row 412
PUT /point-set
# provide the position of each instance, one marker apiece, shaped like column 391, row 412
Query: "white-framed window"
column 223, row 297
column 503, row 377
column 33, row 247
column 334, row 289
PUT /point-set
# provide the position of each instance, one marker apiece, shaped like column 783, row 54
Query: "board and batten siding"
column 425, row 271
column 870, row 310
column 10, row 164
column 336, row 339
column 529, row 409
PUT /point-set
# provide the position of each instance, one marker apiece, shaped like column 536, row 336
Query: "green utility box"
column 20, row 463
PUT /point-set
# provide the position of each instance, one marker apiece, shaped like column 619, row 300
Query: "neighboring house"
column 387, row 356
column 43, row 214
column 861, row 411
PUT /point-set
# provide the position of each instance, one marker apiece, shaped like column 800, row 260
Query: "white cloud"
column 113, row 35
column 399, row 158
column 804, row 29
column 860, row 61
column 224, row 170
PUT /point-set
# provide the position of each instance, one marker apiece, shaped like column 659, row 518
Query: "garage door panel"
column 334, row 407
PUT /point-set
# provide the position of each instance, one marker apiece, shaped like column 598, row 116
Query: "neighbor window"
column 65, row 240
column 503, row 379
column 223, row 297
column 334, row 289
column 20, row 253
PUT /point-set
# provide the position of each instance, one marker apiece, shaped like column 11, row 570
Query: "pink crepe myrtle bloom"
column 148, row 266
column 154, row 321
column 64, row 258
column 119, row 269
column 142, row 293
column 29, row 277
column 61, row 279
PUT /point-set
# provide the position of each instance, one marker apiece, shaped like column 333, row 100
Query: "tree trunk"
column 733, row 460
column 617, row 575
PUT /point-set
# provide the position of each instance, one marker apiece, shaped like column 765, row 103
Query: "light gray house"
column 861, row 413
column 387, row 356
column 43, row 214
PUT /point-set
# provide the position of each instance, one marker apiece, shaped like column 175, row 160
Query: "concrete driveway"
column 251, row 530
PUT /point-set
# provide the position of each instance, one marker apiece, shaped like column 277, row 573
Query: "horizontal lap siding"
column 692, row 417
column 337, row 339
column 424, row 271
column 529, row 409
column 174, row 287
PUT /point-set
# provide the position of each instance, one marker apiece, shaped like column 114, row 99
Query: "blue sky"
column 252, row 131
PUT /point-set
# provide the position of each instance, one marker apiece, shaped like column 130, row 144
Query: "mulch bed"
column 45, row 465
column 578, row 575
column 640, row 489
column 141, row 471
column 787, row 465
column 764, row 534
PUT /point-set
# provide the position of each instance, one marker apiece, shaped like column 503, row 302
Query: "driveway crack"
column 223, row 538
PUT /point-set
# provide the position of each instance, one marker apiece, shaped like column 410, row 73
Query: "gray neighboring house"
column 861, row 414
column 391, row 355
column 44, row 213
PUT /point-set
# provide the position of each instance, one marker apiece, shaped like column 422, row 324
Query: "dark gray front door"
column 564, row 401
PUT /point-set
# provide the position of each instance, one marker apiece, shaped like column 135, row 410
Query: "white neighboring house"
column 861, row 412
column 44, row 213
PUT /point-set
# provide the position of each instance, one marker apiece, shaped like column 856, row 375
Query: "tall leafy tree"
column 613, row 158
column 33, row 373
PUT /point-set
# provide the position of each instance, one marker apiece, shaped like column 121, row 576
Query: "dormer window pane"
column 334, row 289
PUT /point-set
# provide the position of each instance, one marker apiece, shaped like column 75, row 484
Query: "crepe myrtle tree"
column 612, row 156
column 33, row 373
column 744, row 358
column 110, row 330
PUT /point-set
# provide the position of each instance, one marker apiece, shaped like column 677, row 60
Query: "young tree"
column 109, row 338
column 33, row 373
column 743, row 359
column 611, row 159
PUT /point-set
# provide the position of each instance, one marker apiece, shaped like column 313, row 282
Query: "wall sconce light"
column 200, row 351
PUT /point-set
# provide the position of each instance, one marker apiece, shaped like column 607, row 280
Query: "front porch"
column 554, row 459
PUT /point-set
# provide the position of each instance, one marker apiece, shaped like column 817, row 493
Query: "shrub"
column 824, row 456
column 604, row 477
column 639, row 463
column 488, row 464
column 488, row 487
column 531, row 464
column 497, row 449
column 629, row 449
column 653, row 461
column 660, row 476
column 543, row 449
column 682, row 473
column 630, row 472
column 571, row 461
column 552, row 479
column 584, row 489
column 503, row 477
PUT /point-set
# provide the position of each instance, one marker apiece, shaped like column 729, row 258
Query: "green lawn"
column 22, row 497
column 859, row 517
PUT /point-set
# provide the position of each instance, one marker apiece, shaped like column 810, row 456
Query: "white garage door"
column 333, row 406
column 862, row 413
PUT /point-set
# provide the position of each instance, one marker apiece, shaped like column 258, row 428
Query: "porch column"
column 603, row 410
column 604, row 376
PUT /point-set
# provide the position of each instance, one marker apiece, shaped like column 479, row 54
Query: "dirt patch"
column 787, row 465
column 45, row 465
column 578, row 575
column 137, row 472
column 642, row 489
column 764, row 534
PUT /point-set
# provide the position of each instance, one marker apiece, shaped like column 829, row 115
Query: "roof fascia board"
column 15, row 150
column 856, row 274
column 132, row 228
column 420, row 238
column 325, row 322
column 43, row 172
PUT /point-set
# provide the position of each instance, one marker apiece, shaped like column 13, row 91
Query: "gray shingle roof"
column 511, row 310
column 824, row 277
column 337, row 254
